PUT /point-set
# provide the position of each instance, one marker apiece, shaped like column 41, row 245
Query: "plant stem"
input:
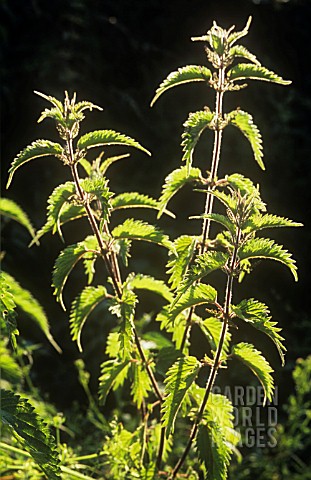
column 111, row 263
column 213, row 174
column 217, row 360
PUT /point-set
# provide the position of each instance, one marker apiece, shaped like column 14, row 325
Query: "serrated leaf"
column 257, row 313
column 139, row 230
column 110, row 371
column 244, row 71
column 110, row 161
column 196, row 123
column 31, row 432
column 254, row 360
column 98, row 187
column 266, row 248
column 184, row 247
column 124, row 309
column 113, row 345
column 211, row 328
column 30, row 306
column 174, row 182
column 193, row 296
column 59, row 210
column 85, row 105
column 213, row 450
column 146, row 282
column 259, row 222
column 99, row 138
column 189, row 73
column 244, row 121
column 66, row 261
column 179, row 379
column 82, row 307
column 204, row 264
column 11, row 209
column 216, row 436
column 52, row 100
column 136, row 200
column 141, row 384
column 176, row 328
column 7, row 309
column 39, row 148
column 221, row 219
column 234, row 36
column 240, row 51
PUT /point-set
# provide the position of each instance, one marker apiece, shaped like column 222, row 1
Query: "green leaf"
column 196, row 123
column 31, row 432
column 266, row 248
column 124, row 309
column 146, row 282
column 110, row 371
column 244, row 121
column 216, row 436
column 178, row 381
column 39, row 148
column 7, row 309
column 136, row 200
column 240, row 51
column 176, row 328
column 184, row 247
column 110, row 161
column 213, row 450
column 189, row 73
column 204, row 264
column 259, row 222
column 10, row 369
column 99, row 138
column 254, row 72
column 52, row 100
column 82, row 307
column 98, row 187
column 31, row 307
column 138, row 230
column 10, row 209
column 257, row 313
column 193, row 296
column 174, row 181
column 211, row 328
column 141, row 384
column 234, row 36
column 59, row 210
column 254, row 360
column 246, row 187
column 113, row 345
column 66, row 261
column 221, row 219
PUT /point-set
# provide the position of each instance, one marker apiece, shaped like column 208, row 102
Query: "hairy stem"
column 217, row 360
column 111, row 262
column 213, row 174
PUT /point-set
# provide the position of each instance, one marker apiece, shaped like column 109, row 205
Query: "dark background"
column 115, row 54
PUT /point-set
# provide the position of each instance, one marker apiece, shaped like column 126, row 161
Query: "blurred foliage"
column 289, row 459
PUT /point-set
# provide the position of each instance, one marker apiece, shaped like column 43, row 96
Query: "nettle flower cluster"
column 151, row 365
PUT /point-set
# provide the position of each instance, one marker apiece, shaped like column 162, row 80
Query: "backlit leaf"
column 254, row 360
column 82, row 307
column 189, row 73
column 179, row 379
column 99, row 138
column 39, row 148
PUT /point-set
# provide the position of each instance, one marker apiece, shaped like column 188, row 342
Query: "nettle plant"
column 182, row 429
